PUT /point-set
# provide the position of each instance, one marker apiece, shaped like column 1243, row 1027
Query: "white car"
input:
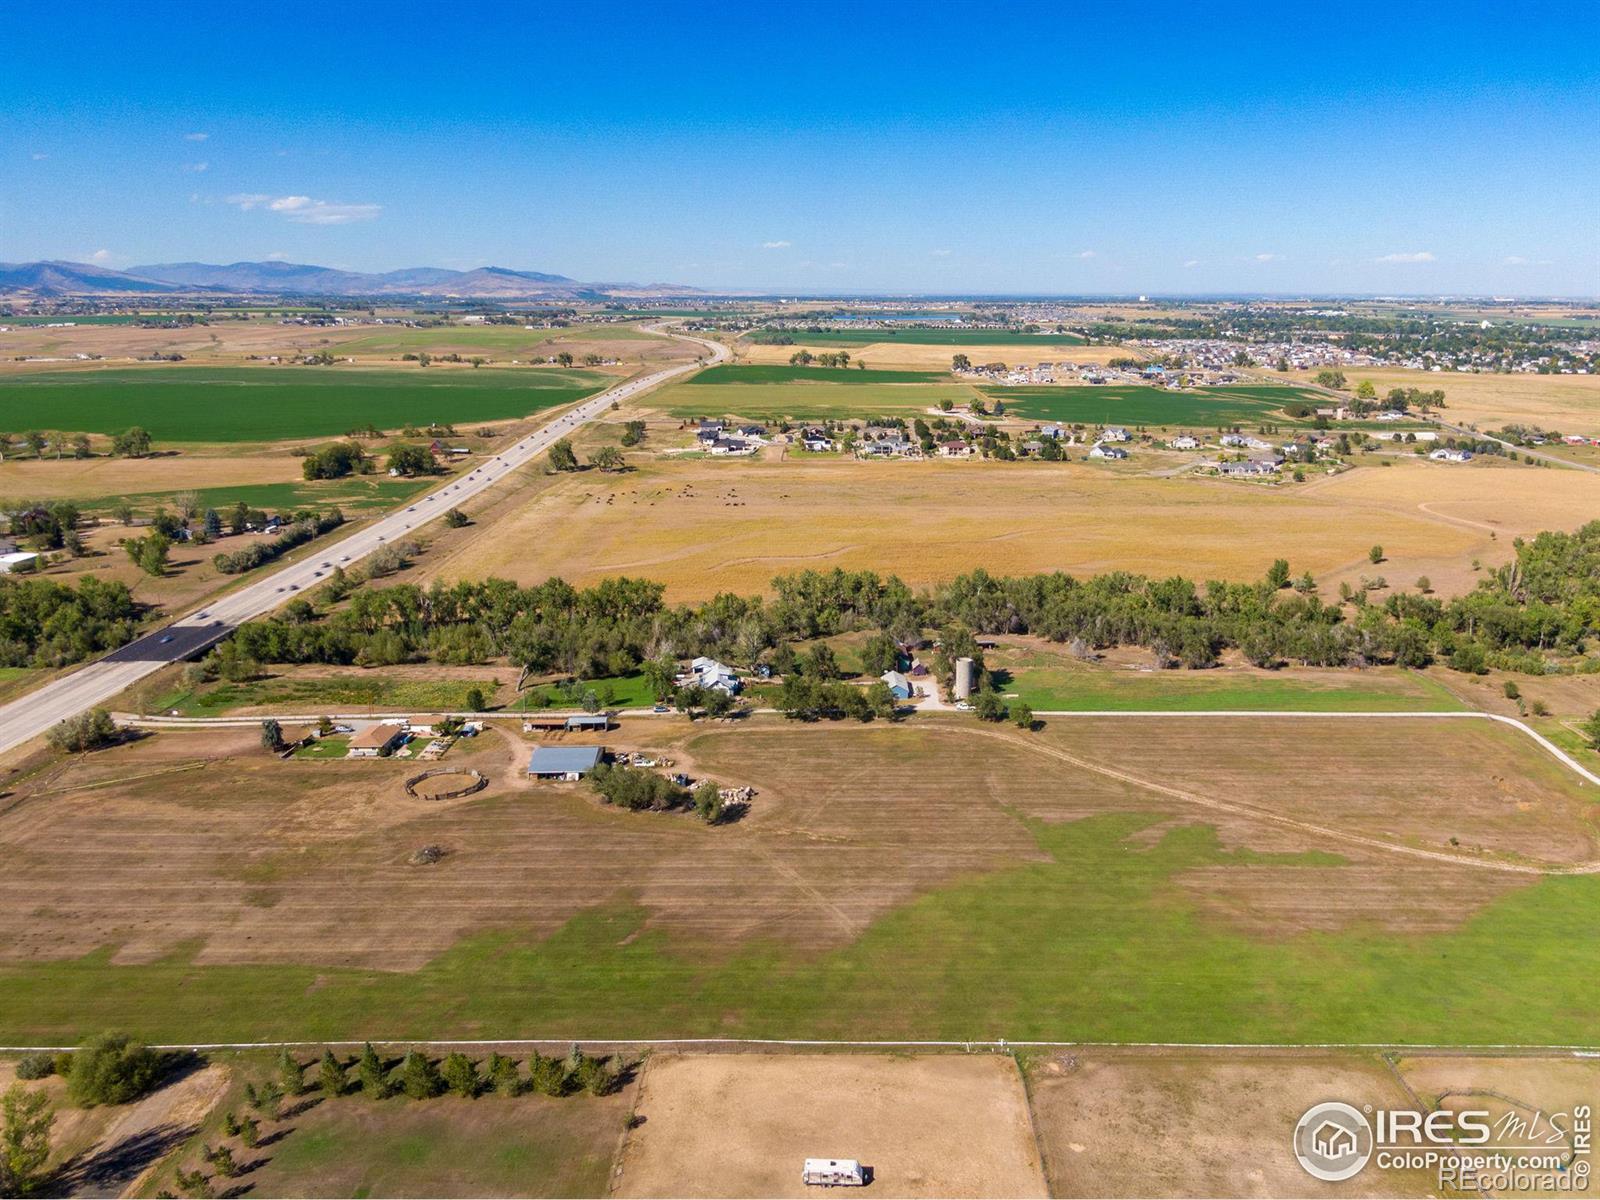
column 963, row 706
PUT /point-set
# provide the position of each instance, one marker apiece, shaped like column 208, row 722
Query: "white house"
column 1390, row 414
column 1184, row 442
column 1235, row 440
column 1446, row 454
column 709, row 673
column 17, row 558
column 1114, row 433
column 1103, row 451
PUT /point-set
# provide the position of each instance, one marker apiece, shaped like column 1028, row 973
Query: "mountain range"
column 57, row 278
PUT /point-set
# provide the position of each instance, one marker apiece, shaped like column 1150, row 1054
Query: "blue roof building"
column 564, row 762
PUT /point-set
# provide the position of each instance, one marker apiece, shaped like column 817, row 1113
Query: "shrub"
column 235, row 562
column 503, row 1075
column 546, row 1075
column 330, row 1075
column 460, row 1075
column 86, row 731
column 374, row 1082
column 111, row 1069
column 419, row 1078
column 36, row 1066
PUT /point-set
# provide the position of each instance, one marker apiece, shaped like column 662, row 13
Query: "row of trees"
column 246, row 558
column 131, row 443
column 1529, row 615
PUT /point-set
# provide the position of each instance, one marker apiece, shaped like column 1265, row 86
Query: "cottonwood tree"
column 25, row 1121
column 562, row 457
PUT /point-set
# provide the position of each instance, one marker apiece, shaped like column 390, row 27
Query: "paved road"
column 34, row 713
column 1552, row 459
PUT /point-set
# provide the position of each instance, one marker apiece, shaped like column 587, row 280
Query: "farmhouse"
column 1184, row 442
column 376, row 741
column 568, row 763
column 1114, row 433
column 899, row 685
column 1102, row 451
column 1446, row 454
column 709, row 673
column 731, row 445
column 956, row 449
column 816, row 440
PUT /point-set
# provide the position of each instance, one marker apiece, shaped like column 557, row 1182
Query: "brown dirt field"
column 1199, row 1125
column 704, row 527
column 202, row 838
column 742, row 1124
column 97, row 477
column 1568, row 403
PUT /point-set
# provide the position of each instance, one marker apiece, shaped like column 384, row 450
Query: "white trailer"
column 833, row 1172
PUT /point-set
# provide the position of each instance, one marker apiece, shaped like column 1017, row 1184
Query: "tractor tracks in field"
column 1252, row 812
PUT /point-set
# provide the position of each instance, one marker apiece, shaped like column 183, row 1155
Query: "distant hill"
column 74, row 279
column 302, row 279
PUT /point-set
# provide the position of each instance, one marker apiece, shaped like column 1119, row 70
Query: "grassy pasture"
column 719, row 525
column 992, row 890
column 1050, row 679
column 326, row 693
column 732, row 375
column 251, row 404
column 847, row 399
column 1135, row 404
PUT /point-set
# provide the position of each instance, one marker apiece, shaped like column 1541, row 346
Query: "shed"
column 899, row 685
column 563, row 762
column 17, row 558
column 833, row 1172
column 597, row 721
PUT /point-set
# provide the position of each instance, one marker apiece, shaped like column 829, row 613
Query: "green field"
column 1136, row 404
column 732, row 375
column 1032, row 951
column 617, row 691
column 933, row 336
column 1051, row 682
column 849, row 398
column 254, row 404
column 354, row 494
column 320, row 694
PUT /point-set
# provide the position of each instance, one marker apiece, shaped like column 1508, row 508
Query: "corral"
column 950, row 1125
column 1280, row 880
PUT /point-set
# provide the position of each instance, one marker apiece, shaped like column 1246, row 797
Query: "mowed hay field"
column 703, row 527
column 920, row 356
column 1160, row 879
column 935, row 1125
column 261, row 404
column 49, row 479
column 1568, row 403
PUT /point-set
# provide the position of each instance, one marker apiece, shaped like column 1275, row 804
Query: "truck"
column 833, row 1172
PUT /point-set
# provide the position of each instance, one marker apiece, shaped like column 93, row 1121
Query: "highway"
column 32, row 714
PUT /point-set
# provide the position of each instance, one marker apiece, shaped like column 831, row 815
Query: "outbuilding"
column 899, row 685
column 569, row 763
column 376, row 741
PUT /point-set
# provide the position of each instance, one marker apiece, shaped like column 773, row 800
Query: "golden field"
column 906, row 356
column 1568, row 403
column 703, row 527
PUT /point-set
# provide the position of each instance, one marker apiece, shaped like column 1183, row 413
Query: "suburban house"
column 377, row 741
column 1103, row 451
column 753, row 431
column 710, row 431
column 709, row 673
column 956, row 449
column 1252, row 469
column 1446, row 454
column 1235, row 441
column 1184, row 442
column 567, row 763
column 731, row 445
column 1052, row 431
column 816, row 440
column 899, row 685
column 1114, row 433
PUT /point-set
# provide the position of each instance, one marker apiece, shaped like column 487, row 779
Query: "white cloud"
column 776, row 245
column 1515, row 260
column 1269, row 258
column 195, row 168
column 1413, row 256
column 101, row 256
column 40, row 157
column 1086, row 254
column 940, row 253
column 1193, row 262
column 304, row 210
column 277, row 256
column 195, row 137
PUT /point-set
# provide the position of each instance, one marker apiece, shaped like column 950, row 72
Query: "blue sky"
column 1396, row 148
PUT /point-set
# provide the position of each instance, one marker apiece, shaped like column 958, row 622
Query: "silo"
column 964, row 674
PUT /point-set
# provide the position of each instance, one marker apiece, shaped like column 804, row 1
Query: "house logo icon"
column 1333, row 1141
